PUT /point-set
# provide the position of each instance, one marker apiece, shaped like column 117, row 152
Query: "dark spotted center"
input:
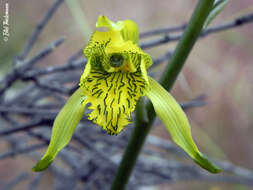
column 116, row 60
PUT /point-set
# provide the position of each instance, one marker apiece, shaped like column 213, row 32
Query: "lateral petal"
column 63, row 128
column 175, row 120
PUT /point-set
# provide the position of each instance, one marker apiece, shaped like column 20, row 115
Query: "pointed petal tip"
column 43, row 164
column 203, row 162
column 174, row 119
column 63, row 129
column 207, row 165
column 103, row 21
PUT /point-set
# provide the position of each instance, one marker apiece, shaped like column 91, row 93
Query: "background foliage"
column 219, row 66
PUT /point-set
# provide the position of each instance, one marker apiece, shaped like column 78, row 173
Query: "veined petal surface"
column 175, row 120
column 63, row 128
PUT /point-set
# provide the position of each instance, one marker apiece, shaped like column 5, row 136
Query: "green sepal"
column 175, row 120
column 217, row 8
column 63, row 128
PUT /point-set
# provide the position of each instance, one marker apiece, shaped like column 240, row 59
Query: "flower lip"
column 116, row 60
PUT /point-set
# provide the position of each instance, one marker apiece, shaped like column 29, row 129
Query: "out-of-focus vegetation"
column 219, row 66
column 18, row 36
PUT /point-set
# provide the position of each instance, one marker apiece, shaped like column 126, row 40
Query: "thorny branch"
column 29, row 115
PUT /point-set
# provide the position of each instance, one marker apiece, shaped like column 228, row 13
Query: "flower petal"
column 130, row 31
column 103, row 21
column 115, row 76
column 113, row 97
column 127, row 28
column 175, row 120
column 103, row 45
column 63, row 128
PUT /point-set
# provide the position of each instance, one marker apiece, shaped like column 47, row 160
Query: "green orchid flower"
column 114, row 79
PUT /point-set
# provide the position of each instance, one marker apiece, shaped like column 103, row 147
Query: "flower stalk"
column 142, row 125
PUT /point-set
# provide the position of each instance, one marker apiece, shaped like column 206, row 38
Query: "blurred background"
column 220, row 66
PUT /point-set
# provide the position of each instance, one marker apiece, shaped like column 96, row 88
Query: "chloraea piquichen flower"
column 114, row 79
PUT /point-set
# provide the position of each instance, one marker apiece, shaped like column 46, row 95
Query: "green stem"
column 142, row 125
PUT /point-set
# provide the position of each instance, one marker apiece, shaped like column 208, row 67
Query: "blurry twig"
column 24, row 127
column 161, row 59
column 21, row 177
column 28, row 111
column 21, row 68
column 163, row 31
column 246, row 19
column 39, row 28
column 35, row 182
column 78, row 64
column 24, row 150
column 91, row 159
column 196, row 102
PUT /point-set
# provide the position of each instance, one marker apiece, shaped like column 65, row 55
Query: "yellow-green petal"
column 112, row 96
column 115, row 76
column 175, row 120
column 127, row 28
column 103, row 45
column 63, row 128
column 130, row 31
column 103, row 21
